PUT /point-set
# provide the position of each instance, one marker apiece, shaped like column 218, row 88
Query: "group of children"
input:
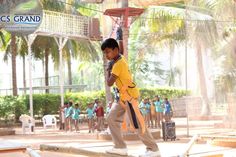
column 156, row 110
column 94, row 112
column 71, row 114
column 95, row 115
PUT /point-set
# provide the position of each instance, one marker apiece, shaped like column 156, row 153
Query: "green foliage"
column 163, row 92
column 10, row 105
column 44, row 103
column 50, row 103
column 84, row 98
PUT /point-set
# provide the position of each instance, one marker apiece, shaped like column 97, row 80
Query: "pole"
column 186, row 63
column 125, row 28
column 30, row 39
column 61, row 43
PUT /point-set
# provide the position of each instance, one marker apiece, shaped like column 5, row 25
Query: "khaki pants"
column 115, row 119
column 100, row 125
column 159, row 119
column 91, row 124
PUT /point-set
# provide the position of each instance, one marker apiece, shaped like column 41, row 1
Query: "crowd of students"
column 95, row 116
column 156, row 111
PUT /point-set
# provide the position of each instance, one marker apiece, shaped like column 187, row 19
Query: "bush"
column 84, row 98
column 10, row 105
column 49, row 103
column 44, row 103
column 163, row 92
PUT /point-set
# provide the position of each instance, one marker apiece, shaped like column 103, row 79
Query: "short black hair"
column 109, row 43
column 70, row 103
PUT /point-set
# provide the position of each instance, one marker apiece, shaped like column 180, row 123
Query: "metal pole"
column 125, row 28
column 30, row 40
column 61, row 74
column 186, row 62
column 61, row 43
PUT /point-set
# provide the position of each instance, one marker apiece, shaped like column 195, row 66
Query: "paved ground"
column 89, row 142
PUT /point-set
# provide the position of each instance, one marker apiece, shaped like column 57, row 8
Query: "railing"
column 68, row 25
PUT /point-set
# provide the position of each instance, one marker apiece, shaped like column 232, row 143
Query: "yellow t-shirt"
column 124, row 78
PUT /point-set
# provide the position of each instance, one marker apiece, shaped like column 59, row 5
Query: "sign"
column 20, row 16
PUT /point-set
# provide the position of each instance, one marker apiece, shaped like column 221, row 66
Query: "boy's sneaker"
column 118, row 151
column 150, row 153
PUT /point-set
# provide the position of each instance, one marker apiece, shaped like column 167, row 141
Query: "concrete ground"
column 89, row 142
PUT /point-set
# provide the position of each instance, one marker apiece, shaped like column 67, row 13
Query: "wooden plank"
column 73, row 150
column 8, row 146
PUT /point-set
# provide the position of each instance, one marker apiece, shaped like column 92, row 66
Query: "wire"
column 82, row 6
column 146, row 18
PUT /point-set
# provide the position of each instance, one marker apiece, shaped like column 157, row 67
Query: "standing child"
column 142, row 108
column 153, row 114
column 100, row 116
column 119, row 74
column 68, row 114
column 159, row 110
column 75, row 117
column 90, row 115
column 167, row 110
column 148, row 111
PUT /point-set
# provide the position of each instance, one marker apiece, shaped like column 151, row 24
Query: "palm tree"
column 22, row 48
column 169, row 22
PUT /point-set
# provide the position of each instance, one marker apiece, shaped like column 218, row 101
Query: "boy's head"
column 70, row 103
column 66, row 104
column 110, row 48
column 76, row 105
column 96, row 101
column 156, row 97
column 90, row 105
column 166, row 99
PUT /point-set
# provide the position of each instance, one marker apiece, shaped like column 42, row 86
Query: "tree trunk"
column 82, row 77
column 172, row 77
column 46, row 70
column 202, row 81
column 69, row 70
column 13, row 59
column 24, row 78
column 107, row 88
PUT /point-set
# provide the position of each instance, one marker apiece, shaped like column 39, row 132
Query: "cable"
column 82, row 6
column 146, row 18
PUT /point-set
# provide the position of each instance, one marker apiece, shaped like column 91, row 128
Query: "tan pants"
column 91, row 124
column 148, row 118
column 68, row 123
column 159, row 119
column 115, row 119
column 100, row 125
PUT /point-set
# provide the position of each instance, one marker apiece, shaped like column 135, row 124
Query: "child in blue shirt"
column 148, row 111
column 90, row 116
column 167, row 110
column 159, row 111
column 68, row 116
column 75, row 116
column 142, row 108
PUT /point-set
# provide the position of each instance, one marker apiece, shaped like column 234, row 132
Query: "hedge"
column 50, row 103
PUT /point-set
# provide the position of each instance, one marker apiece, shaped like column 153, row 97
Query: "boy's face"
column 111, row 53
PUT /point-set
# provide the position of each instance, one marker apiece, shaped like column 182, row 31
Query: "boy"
column 75, row 117
column 167, row 110
column 100, row 116
column 148, row 111
column 159, row 110
column 153, row 113
column 118, row 73
column 68, row 114
column 90, row 115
